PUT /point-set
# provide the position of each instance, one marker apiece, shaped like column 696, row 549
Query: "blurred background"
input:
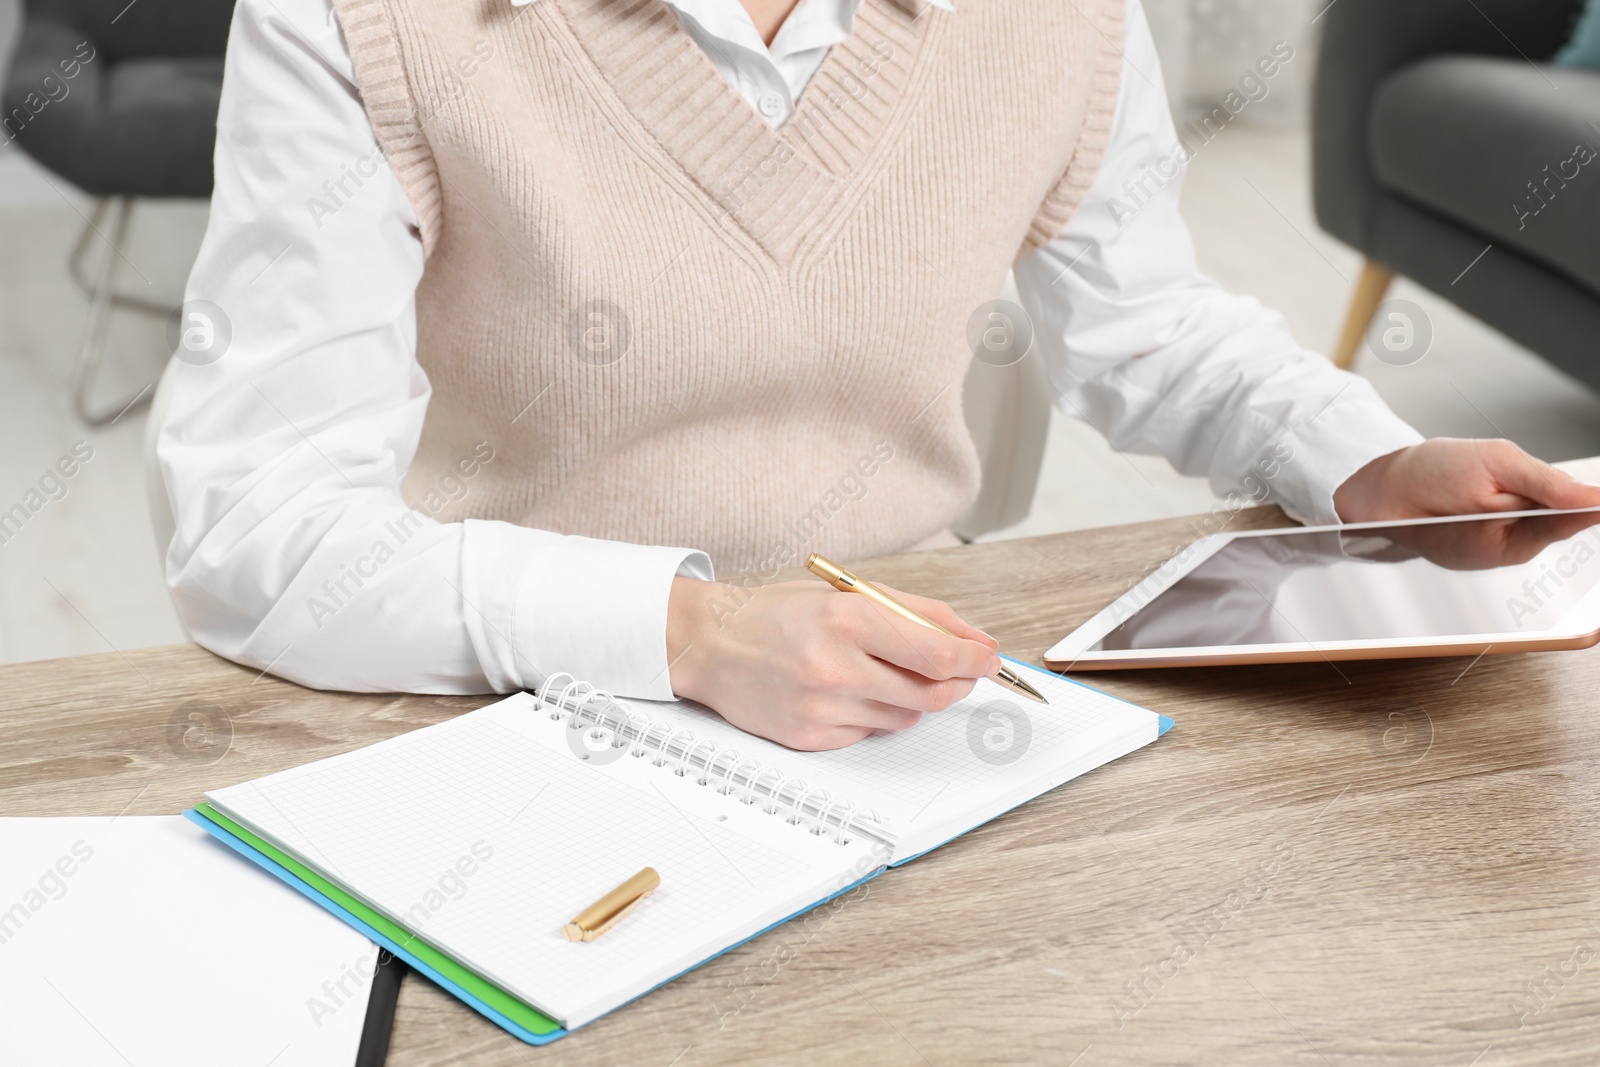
column 82, row 575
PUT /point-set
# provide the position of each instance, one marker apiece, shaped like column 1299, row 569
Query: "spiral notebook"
column 464, row 847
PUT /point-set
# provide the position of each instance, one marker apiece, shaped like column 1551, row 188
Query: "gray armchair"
column 120, row 99
column 1440, row 131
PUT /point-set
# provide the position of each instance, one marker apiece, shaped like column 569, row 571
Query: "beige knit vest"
column 677, row 326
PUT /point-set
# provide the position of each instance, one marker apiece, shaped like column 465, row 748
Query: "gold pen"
column 606, row 912
column 846, row 582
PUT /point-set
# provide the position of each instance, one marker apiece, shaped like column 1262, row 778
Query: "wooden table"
column 1367, row 864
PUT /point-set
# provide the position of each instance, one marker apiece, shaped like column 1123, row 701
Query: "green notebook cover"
column 492, row 995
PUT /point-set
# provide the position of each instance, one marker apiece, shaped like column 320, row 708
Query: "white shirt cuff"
column 538, row 603
column 1354, row 429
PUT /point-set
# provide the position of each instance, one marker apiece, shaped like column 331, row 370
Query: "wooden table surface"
column 1380, row 863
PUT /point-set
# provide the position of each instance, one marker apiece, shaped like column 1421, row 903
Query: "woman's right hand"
column 813, row 668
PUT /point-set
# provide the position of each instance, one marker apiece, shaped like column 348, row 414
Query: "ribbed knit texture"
column 792, row 300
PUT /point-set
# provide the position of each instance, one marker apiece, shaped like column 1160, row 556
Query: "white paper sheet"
column 140, row 940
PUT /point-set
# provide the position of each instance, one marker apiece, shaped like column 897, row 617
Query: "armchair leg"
column 102, row 296
column 123, row 208
column 1371, row 288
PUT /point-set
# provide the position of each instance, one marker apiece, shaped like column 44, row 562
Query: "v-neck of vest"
column 781, row 186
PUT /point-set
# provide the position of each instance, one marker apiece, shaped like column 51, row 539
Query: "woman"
column 523, row 291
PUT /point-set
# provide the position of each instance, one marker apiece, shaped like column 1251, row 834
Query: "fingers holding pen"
column 931, row 656
column 943, row 614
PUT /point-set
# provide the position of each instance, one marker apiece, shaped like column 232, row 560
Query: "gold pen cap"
column 831, row 572
column 609, row 910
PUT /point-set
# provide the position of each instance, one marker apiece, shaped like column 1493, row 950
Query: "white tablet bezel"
column 1579, row 627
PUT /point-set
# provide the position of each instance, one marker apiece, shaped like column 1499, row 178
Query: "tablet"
column 1457, row 586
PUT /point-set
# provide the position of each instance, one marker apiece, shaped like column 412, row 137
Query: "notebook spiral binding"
column 585, row 707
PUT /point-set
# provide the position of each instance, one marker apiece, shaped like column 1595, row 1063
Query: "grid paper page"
column 484, row 837
column 950, row 758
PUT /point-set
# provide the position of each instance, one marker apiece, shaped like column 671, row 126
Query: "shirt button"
column 770, row 105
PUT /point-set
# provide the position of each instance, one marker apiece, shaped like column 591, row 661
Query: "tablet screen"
column 1448, row 579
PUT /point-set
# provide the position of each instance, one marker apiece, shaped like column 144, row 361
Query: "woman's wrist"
column 1361, row 497
column 688, row 615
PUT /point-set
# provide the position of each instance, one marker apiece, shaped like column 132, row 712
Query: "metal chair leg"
column 80, row 249
column 91, row 347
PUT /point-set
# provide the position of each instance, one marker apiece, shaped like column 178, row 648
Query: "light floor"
column 83, row 576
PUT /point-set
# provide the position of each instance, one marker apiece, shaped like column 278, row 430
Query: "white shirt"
column 283, row 458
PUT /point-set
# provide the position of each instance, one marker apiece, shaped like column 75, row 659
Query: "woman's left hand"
column 1455, row 476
